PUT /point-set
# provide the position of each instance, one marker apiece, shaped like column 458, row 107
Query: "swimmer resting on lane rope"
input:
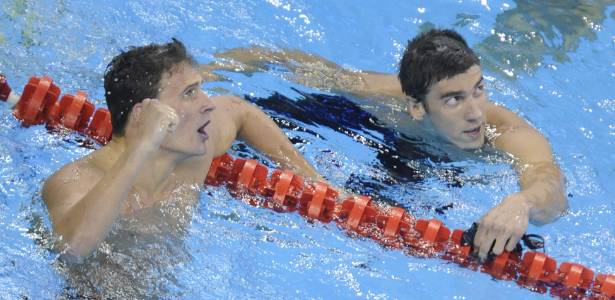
column 441, row 81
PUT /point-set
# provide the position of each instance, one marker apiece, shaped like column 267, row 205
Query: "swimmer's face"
column 181, row 90
column 456, row 107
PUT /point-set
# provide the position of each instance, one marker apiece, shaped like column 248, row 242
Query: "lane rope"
column 284, row 191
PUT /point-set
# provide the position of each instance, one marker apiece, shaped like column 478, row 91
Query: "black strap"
column 531, row 241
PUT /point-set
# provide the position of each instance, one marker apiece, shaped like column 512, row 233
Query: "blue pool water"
column 555, row 67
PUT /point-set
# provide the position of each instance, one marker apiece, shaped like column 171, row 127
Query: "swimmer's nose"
column 474, row 111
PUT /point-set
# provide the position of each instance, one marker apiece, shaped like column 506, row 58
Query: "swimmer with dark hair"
column 166, row 131
column 441, row 83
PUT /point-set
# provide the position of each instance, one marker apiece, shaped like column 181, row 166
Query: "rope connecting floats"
column 284, row 191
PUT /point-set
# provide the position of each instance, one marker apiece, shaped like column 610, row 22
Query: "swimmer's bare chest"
column 183, row 194
column 181, row 189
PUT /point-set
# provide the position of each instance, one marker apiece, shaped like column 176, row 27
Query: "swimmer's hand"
column 503, row 226
column 150, row 122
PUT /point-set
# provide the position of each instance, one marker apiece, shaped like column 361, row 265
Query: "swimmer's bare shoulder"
column 70, row 184
column 225, row 120
column 229, row 106
column 240, row 119
column 236, row 118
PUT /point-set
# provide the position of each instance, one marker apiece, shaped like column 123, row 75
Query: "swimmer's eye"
column 191, row 92
column 452, row 101
column 479, row 90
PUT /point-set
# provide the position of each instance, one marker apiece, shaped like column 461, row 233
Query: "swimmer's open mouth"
column 474, row 132
column 202, row 131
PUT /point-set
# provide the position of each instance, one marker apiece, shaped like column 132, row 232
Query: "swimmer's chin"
column 470, row 147
column 473, row 148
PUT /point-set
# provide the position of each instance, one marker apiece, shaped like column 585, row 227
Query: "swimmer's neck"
column 158, row 167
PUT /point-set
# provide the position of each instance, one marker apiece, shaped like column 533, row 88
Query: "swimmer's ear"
column 135, row 112
column 416, row 109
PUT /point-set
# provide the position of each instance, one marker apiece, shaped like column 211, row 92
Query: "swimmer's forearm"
column 311, row 70
column 380, row 85
column 88, row 222
column 319, row 72
column 289, row 158
column 544, row 188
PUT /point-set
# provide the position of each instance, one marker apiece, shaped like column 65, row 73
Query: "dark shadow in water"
column 405, row 158
column 531, row 30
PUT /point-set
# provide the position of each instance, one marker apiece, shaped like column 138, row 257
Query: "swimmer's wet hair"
column 134, row 75
column 433, row 56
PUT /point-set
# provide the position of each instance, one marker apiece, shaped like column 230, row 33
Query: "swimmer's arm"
column 83, row 213
column 311, row 70
column 257, row 129
column 541, row 180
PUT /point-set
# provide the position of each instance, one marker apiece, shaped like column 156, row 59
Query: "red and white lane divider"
column 38, row 104
column 284, row 191
column 393, row 227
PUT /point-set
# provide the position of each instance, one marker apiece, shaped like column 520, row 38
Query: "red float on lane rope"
column 432, row 231
column 52, row 117
column 100, row 127
column 38, row 96
column 252, row 176
column 220, row 170
column 285, row 189
column 393, row 221
column 575, row 275
column 356, row 214
column 537, row 271
column 430, row 238
column 395, row 227
column 317, row 205
column 575, row 280
column 75, row 111
column 604, row 286
column 318, row 202
column 282, row 187
column 503, row 266
column 457, row 253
